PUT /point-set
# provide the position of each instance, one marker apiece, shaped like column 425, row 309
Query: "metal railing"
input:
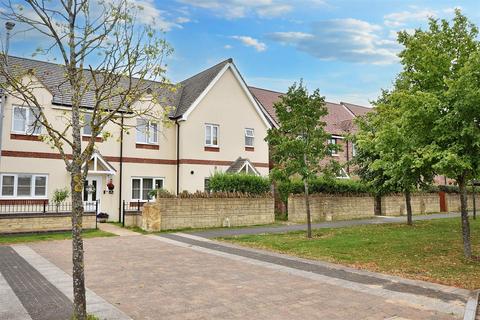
column 43, row 208
column 132, row 206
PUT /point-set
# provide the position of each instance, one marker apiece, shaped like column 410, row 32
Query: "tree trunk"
column 79, row 300
column 378, row 205
column 408, row 204
column 467, row 246
column 307, row 206
column 474, row 201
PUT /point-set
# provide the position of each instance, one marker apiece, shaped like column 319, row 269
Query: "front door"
column 91, row 193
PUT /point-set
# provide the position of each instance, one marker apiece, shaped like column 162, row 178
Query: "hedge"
column 323, row 185
column 239, row 182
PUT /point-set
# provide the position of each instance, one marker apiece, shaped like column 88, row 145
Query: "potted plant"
column 110, row 186
column 102, row 217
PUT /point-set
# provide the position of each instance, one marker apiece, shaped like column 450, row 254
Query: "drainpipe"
column 178, row 156
column 348, row 158
column 3, row 97
column 120, row 207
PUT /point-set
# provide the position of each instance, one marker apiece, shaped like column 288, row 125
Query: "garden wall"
column 330, row 207
column 453, row 202
column 422, row 203
column 16, row 223
column 180, row 213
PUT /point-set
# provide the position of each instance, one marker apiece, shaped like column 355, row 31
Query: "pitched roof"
column 338, row 121
column 52, row 76
column 356, row 109
column 192, row 88
column 238, row 164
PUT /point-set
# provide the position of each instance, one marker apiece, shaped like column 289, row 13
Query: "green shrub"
column 323, row 185
column 60, row 195
column 160, row 193
column 239, row 182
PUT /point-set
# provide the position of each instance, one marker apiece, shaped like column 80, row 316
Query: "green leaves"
column 237, row 182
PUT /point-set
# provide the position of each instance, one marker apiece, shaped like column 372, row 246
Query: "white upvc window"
column 87, row 129
column 147, row 131
column 249, row 137
column 141, row 186
column 23, row 185
column 24, row 120
column 333, row 141
column 354, row 149
column 211, row 135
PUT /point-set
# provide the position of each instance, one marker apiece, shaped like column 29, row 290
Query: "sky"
column 346, row 48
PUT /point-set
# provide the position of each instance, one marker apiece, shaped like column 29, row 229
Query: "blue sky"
column 347, row 49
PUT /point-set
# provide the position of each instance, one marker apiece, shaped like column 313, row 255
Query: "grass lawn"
column 20, row 238
column 430, row 250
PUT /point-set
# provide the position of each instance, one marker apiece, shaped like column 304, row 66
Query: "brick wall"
column 43, row 223
column 180, row 213
column 330, row 207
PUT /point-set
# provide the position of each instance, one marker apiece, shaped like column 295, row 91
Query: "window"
column 249, row 137
column 147, row 131
column 334, row 142
column 211, row 135
column 354, row 150
column 25, row 121
column 87, row 129
column 23, row 185
column 141, row 187
column 206, row 185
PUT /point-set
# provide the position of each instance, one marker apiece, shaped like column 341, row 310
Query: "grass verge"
column 430, row 250
column 20, row 238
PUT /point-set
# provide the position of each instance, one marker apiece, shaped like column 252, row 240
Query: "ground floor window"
column 141, row 187
column 206, row 185
column 23, row 185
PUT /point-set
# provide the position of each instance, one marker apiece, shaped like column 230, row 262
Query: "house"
column 216, row 125
column 339, row 122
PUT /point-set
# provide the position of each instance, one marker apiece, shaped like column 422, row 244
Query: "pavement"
column 184, row 276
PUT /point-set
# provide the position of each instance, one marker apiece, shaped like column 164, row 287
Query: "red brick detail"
column 23, row 201
column 140, row 160
column 147, row 146
column 212, row 149
column 87, row 138
column 28, row 154
column 249, row 149
column 15, row 136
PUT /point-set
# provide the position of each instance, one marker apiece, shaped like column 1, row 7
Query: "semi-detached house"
column 217, row 125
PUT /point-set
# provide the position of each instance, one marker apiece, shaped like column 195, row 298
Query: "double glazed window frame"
column 141, row 189
column 210, row 129
column 29, row 128
column 86, row 124
column 334, row 141
column 150, row 133
column 33, row 186
column 249, row 133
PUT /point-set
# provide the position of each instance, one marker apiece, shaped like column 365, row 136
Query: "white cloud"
column 399, row 19
column 227, row 47
column 234, row 9
column 251, row 42
column 348, row 40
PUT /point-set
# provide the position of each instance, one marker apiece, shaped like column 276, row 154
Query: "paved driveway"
column 151, row 277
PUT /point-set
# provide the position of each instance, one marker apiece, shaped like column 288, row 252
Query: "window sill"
column 87, row 138
column 212, row 149
column 147, row 146
column 23, row 136
column 249, row 148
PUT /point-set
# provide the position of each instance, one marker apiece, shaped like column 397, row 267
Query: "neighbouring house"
column 216, row 125
column 339, row 123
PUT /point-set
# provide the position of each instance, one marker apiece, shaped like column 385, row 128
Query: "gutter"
column 120, row 200
column 178, row 156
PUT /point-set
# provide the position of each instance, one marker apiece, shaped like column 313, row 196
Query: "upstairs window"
column 249, row 137
column 87, row 129
column 354, row 150
column 23, row 185
column 333, row 141
column 211, row 135
column 147, row 131
column 25, row 121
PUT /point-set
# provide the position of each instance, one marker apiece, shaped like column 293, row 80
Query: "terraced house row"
column 218, row 123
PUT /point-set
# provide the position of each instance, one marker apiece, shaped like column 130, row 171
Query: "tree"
column 109, row 59
column 440, row 81
column 300, row 142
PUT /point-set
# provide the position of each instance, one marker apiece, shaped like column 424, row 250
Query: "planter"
column 102, row 217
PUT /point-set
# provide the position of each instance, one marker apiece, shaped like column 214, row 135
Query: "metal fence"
column 40, row 208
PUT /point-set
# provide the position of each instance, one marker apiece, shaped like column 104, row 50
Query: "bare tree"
column 110, row 62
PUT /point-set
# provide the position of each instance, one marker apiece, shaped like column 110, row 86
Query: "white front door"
column 92, row 189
